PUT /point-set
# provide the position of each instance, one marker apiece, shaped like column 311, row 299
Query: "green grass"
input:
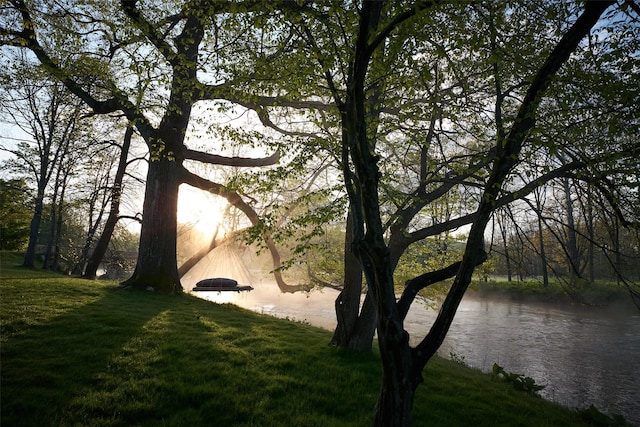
column 597, row 293
column 83, row 353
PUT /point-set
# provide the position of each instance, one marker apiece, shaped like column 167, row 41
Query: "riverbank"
column 78, row 352
column 596, row 294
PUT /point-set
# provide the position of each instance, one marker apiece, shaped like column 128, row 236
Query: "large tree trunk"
column 356, row 326
column 361, row 337
column 156, row 267
column 401, row 370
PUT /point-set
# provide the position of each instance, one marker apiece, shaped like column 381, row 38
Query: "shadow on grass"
column 244, row 369
column 47, row 365
column 221, row 365
column 101, row 356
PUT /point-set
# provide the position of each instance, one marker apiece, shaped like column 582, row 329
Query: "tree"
column 15, row 212
column 440, row 109
column 355, row 326
column 72, row 150
column 45, row 111
column 402, row 364
column 159, row 49
column 114, row 199
column 542, row 251
column 502, row 225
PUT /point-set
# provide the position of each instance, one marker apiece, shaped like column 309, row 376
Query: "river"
column 584, row 355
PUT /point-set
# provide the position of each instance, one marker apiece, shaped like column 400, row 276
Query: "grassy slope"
column 78, row 352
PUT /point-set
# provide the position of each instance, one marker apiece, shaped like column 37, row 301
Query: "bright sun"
column 201, row 210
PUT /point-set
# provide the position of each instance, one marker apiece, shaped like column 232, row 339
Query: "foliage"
column 486, row 160
column 606, row 249
column 326, row 259
column 50, row 155
column 519, row 382
column 15, row 211
column 435, row 87
column 428, row 255
column 457, row 358
column 143, row 62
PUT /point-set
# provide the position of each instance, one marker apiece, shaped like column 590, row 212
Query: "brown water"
column 583, row 355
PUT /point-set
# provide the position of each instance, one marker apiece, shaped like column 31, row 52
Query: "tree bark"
column 505, row 246
column 356, row 326
column 156, row 267
column 543, row 252
column 55, row 217
column 116, row 193
column 400, row 380
column 591, row 231
column 572, row 240
column 34, row 229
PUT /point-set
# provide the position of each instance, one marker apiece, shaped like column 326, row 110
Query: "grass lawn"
column 83, row 353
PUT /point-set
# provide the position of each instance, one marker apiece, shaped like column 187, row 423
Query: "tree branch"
column 507, row 155
column 415, row 285
column 131, row 10
column 228, row 92
column 214, row 159
column 263, row 115
column 563, row 171
column 396, row 21
column 119, row 102
column 235, row 200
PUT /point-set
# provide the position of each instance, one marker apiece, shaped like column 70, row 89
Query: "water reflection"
column 584, row 355
column 315, row 308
